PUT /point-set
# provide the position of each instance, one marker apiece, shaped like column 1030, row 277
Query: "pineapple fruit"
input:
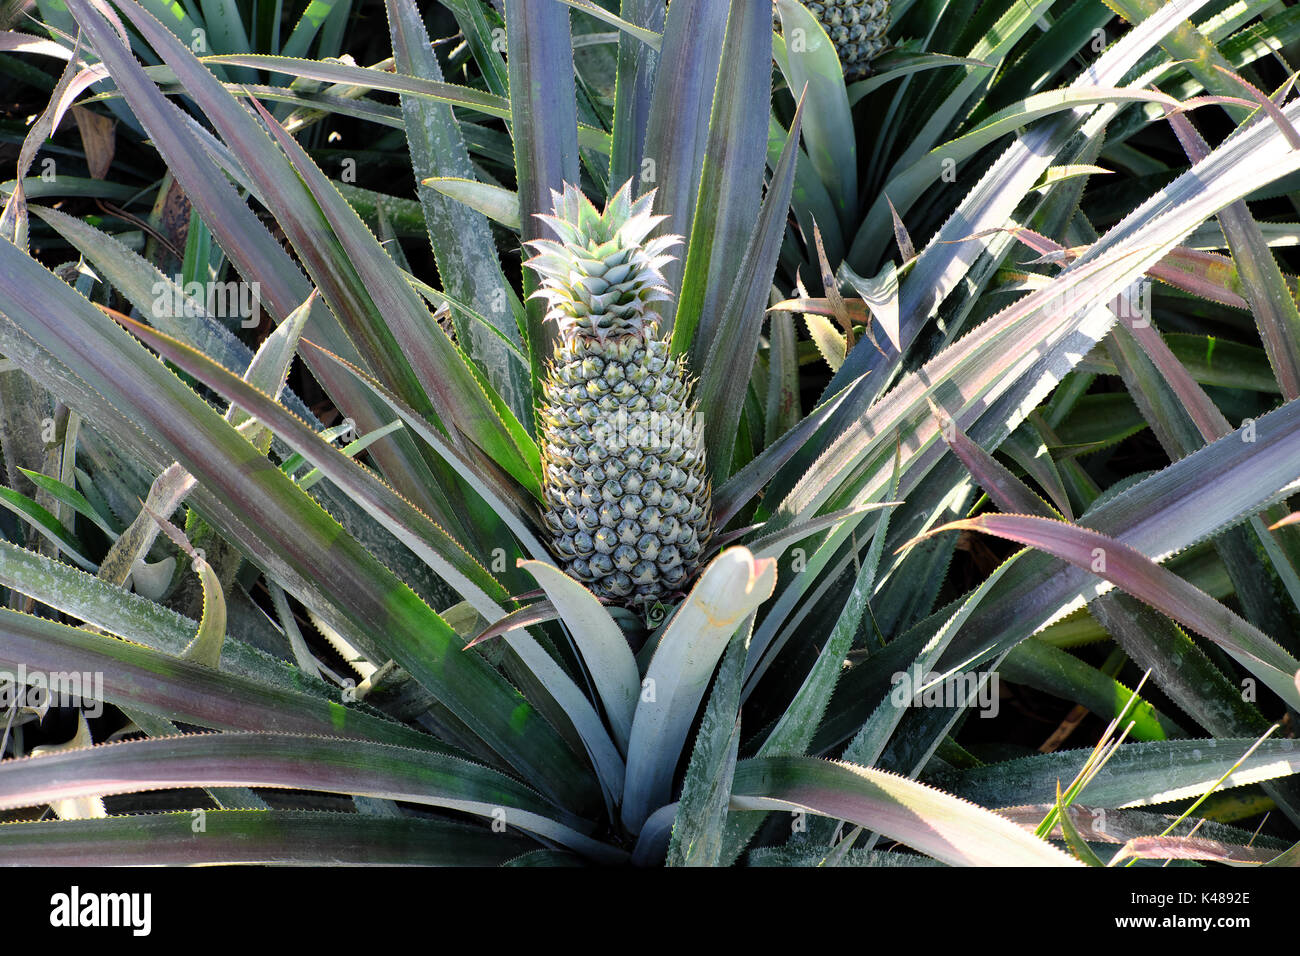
column 624, row 472
column 856, row 27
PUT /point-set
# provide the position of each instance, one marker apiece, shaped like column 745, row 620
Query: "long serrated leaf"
column 301, row 762
column 1271, row 302
column 259, row 259
column 731, row 180
column 156, row 683
column 936, row 823
column 1129, row 569
column 294, row 837
column 677, row 124
column 1139, row 774
column 725, row 376
column 700, row 819
column 294, row 537
column 633, row 89
column 951, row 251
column 48, row 526
column 544, row 120
column 430, row 543
column 462, row 242
column 808, row 60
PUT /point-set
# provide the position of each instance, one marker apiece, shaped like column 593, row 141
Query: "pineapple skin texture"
column 624, row 472
column 856, row 27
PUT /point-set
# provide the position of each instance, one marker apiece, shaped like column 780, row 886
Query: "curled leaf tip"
column 1288, row 520
column 964, row 524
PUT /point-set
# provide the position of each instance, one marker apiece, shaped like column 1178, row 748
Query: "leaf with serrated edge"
column 1138, row 774
column 945, row 827
column 1137, row 574
column 293, row 837
column 299, row 762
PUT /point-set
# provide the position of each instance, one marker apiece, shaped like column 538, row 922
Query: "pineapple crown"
column 601, row 276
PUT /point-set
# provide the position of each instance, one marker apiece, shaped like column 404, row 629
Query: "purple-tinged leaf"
column 936, row 823
column 1190, row 848
column 637, row 64
column 731, row 179
column 1008, row 492
column 294, row 837
column 1159, row 587
column 464, row 249
column 257, row 257
column 725, row 376
column 740, row 488
column 544, row 124
column 539, row 612
column 323, row 764
column 156, row 683
column 259, row 507
column 677, row 125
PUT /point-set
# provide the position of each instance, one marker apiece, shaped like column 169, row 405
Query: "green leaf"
column 164, row 685
column 499, row 205
column 1057, row 672
column 1139, row 774
column 205, row 647
column 463, row 247
column 49, row 526
column 828, row 338
column 1073, row 840
column 947, row 828
column 423, row 537
column 700, row 821
column 544, row 121
column 727, row 592
column 1272, row 304
column 295, row 540
column 371, row 78
column 298, row 762
column 71, row 497
column 677, row 122
column 1137, row 574
column 813, row 65
column 731, row 179
column 634, row 86
column 783, row 411
column 725, row 378
column 944, row 262
column 648, row 37
column 256, row 256
column 294, row 837
column 600, row 642
column 476, row 26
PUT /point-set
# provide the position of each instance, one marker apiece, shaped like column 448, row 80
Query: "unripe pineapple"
column 856, row 27
column 624, row 475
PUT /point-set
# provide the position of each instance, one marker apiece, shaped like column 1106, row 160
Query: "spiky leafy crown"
column 602, row 274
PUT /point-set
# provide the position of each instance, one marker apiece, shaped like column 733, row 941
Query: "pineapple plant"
column 626, row 485
column 491, row 686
